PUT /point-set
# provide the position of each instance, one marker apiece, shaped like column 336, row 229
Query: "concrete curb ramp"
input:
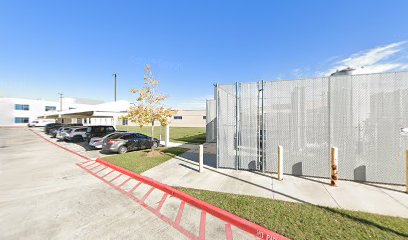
column 188, row 215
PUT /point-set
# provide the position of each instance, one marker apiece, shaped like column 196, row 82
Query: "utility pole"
column 60, row 97
column 115, row 75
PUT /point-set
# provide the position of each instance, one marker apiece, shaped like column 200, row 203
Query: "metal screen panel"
column 211, row 121
column 361, row 115
column 227, row 124
column 367, row 114
column 296, row 118
column 248, row 126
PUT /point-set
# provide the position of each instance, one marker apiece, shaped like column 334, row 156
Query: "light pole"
column 115, row 75
column 60, row 97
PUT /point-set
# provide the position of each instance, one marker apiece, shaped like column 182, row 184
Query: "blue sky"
column 73, row 47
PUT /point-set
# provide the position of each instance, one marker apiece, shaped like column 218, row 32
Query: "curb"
column 231, row 219
column 239, row 222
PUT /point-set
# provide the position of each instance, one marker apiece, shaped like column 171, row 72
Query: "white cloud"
column 392, row 57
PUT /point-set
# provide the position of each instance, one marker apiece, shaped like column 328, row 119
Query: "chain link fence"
column 362, row 115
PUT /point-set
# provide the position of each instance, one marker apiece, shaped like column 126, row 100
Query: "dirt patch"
column 154, row 153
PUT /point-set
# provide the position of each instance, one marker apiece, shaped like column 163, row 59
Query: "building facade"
column 182, row 118
column 21, row 111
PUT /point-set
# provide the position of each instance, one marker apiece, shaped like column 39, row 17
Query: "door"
column 133, row 142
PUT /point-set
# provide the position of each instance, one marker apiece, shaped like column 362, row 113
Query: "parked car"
column 50, row 126
column 76, row 134
column 124, row 142
column 62, row 132
column 98, row 131
column 96, row 142
column 53, row 128
column 40, row 122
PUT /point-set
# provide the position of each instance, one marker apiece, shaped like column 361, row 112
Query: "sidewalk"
column 375, row 198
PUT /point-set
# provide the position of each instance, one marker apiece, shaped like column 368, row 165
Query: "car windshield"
column 89, row 129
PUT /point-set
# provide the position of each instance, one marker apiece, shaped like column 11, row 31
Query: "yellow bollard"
column 280, row 163
column 334, row 176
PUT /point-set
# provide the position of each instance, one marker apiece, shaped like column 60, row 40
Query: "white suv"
column 77, row 134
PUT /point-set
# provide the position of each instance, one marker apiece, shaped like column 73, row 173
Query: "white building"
column 20, row 111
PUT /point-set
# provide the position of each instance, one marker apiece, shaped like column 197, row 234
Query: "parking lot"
column 47, row 194
column 44, row 195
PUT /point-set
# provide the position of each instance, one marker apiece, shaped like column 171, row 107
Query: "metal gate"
column 362, row 115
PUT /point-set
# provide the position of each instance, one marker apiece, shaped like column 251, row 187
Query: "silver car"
column 62, row 132
column 76, row 134
column 97, row 142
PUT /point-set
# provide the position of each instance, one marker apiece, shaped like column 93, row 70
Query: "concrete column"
column 167, row 135
column 201, row 158
column 280, row 163
column 334, row 167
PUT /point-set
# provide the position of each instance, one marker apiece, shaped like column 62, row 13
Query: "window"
column 23, row 107
column 128, row 136
column 204, row 117
column 21, row 120
column 124, row 122
column 178, row 117
column 50, row 108
column 139, row 135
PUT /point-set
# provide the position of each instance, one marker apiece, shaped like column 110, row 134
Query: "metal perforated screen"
column 226, row 150
column 211, row 121
column 362, row 115
column 296, row 118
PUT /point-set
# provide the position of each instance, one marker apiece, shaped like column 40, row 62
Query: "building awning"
column 104, row 110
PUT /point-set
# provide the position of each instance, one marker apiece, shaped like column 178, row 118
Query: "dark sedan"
column 124, row 142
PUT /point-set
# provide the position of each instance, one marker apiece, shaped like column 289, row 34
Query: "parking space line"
column 94, row 167
column 134, row 188
column 101, row 170
column 87, row 165
column 163, row 199
column 202, row 225
column 82, row 163
column 113, row 179
column 105, row 174
column 154, row 211
column 127, row 180
column 91, row 165
column 228, row 231
column 147, row 194
column 180, row 213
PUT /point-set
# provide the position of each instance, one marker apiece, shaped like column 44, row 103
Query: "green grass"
column 306, row 221
column 177, row 134
column 139, row 162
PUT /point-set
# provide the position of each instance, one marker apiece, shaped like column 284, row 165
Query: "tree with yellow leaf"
column 149, row 105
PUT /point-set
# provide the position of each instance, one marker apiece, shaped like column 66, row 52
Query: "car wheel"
column 77, row 139
column 155, row 145
column 122, row 150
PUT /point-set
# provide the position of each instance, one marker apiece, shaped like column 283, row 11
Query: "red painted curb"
column 239, row 222
column 69, row 150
